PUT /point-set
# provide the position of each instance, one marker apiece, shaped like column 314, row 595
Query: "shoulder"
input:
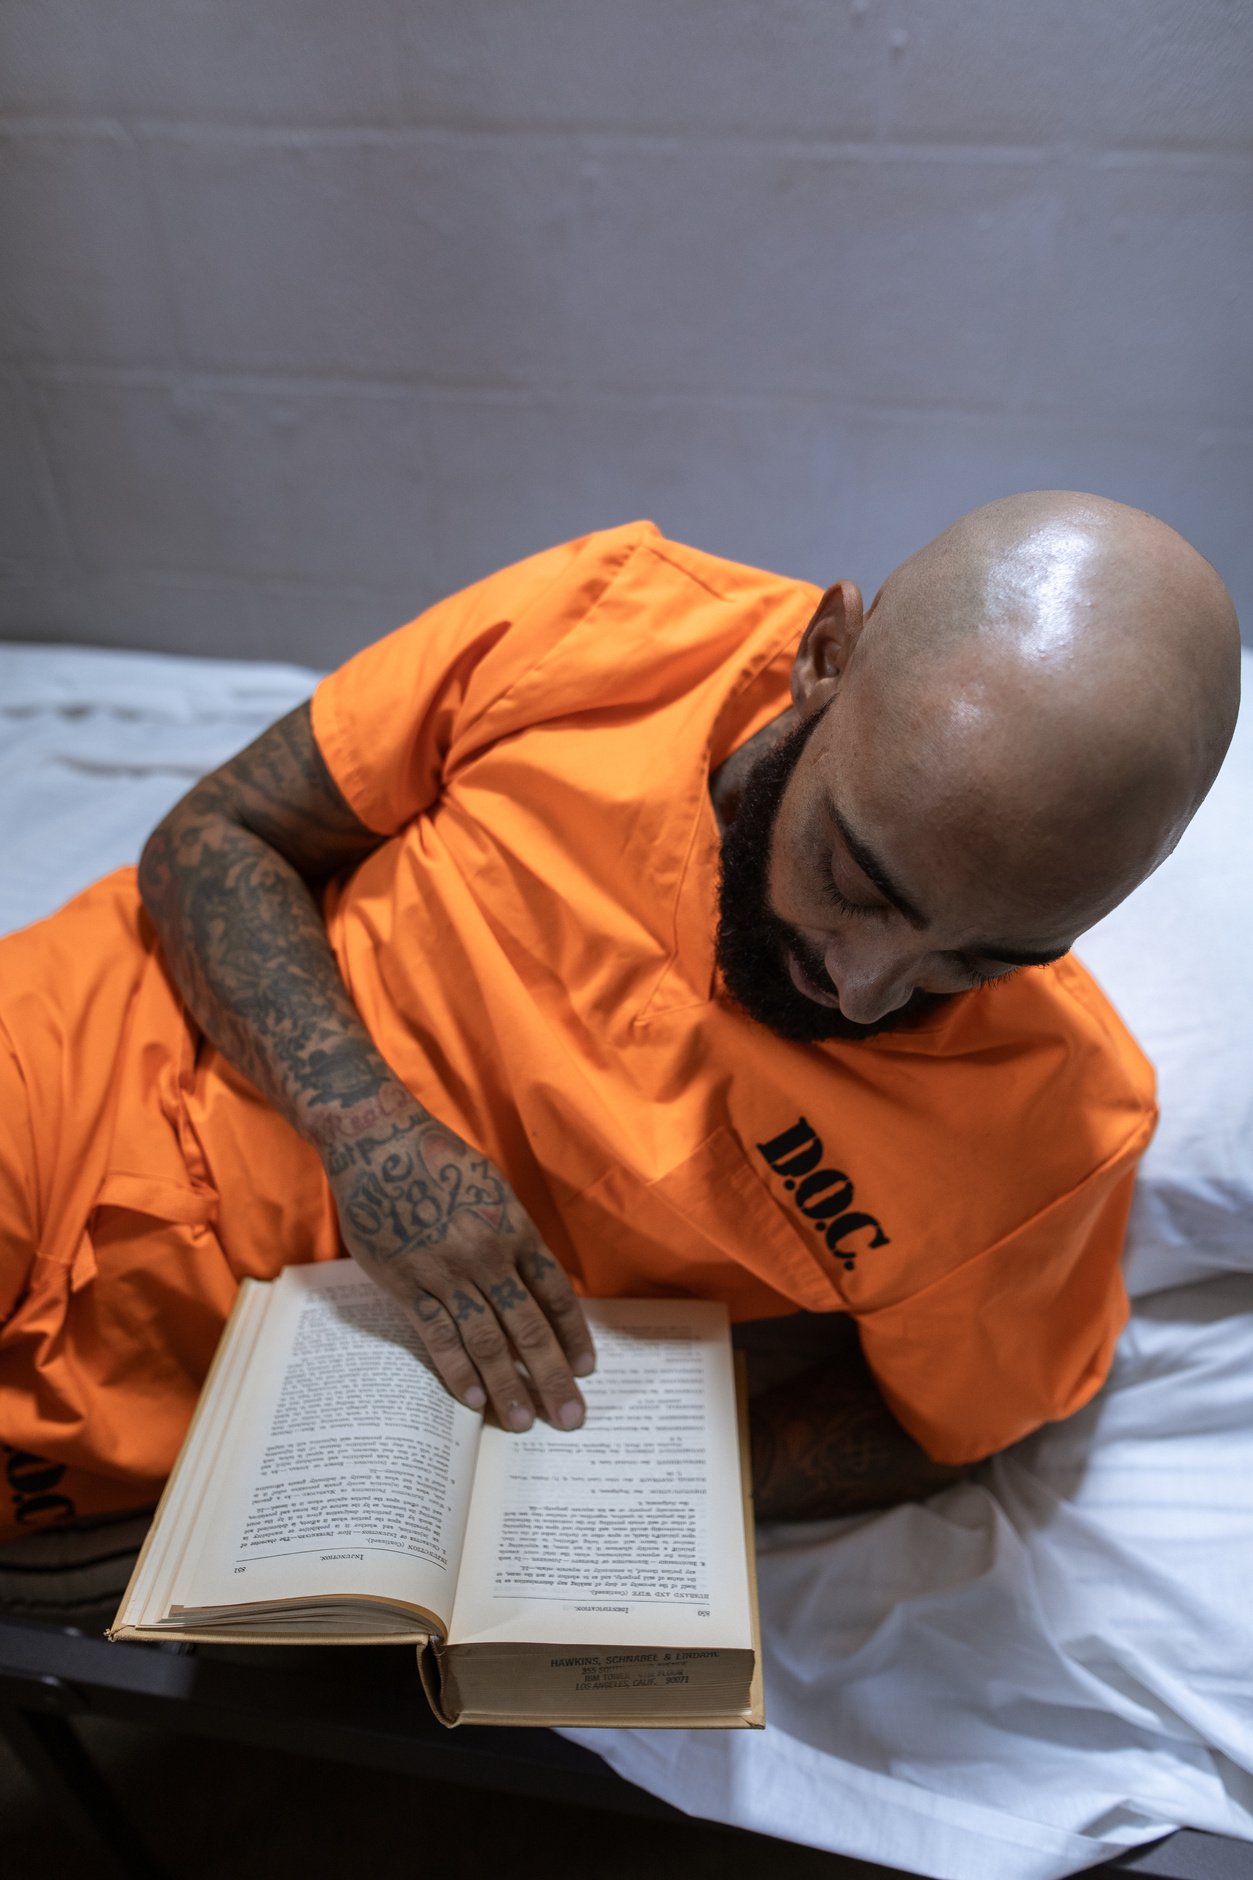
column 1055, row 1018
column 1100, row 1045
column 1025, row 1090
column 645, row 597
column 639, row 582
column 629, row 616
column 719, row 577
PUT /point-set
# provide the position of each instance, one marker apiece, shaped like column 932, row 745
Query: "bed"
column 1043, row 1666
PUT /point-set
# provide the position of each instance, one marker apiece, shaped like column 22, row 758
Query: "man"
column 550, row 938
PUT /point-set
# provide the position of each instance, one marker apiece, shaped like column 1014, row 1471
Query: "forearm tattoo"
column 223, row 881
column 825, row 1443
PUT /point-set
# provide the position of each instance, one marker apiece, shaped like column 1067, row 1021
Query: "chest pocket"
column 708, row 1227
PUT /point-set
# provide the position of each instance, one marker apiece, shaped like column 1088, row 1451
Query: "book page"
column 174, row 1524
column 631, row 1529
column 349, row 1466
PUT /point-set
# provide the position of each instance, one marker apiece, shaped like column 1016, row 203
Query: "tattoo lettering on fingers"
column 464, row 1307
column 538, row 1265
column 427, row 1307
column 506, row 1294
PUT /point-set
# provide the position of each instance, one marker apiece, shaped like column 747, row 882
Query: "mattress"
column 1045, row 1664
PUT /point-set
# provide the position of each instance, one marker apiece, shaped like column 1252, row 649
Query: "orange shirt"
column 533, row 949
column 534, row 952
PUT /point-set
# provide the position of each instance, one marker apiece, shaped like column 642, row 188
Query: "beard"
column 753, row 943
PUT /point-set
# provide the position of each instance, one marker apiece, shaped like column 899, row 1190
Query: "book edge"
column 120, row 1630
column 755, row 1715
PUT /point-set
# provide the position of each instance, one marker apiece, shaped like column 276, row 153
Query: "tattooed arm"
column 226, row 879
column 825, row 1443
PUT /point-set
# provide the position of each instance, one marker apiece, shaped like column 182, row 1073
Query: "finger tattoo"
column 539, row 1263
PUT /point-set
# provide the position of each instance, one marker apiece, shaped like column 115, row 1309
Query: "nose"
column 870, row 981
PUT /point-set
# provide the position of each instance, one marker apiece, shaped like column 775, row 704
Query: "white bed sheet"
column 1040, row 1667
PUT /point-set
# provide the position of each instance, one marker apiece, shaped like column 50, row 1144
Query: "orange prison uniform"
column 533, row 949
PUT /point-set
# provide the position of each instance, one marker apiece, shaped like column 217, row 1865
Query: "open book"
column 330, row 1490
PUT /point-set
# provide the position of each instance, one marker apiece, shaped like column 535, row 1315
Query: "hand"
column 438, row 1227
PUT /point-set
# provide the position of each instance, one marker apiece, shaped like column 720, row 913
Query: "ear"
column 826, row 644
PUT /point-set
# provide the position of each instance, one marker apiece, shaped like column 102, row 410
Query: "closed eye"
column 976, row 978
column 839, row 899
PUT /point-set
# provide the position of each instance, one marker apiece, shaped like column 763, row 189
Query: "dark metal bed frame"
column 351, row 1705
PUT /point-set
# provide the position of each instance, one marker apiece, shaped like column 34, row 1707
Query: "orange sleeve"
column 387, row 721
column 1019, row 1336
column 19, row 1210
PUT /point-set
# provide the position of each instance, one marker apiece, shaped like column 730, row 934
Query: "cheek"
column 780, row 874
column 802, row 835
column 794, row 885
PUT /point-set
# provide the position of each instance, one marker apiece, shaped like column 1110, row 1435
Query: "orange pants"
column 140, row 1178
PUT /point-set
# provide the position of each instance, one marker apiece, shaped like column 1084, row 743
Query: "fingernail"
column 519, row 1417
column 584, row 1366
column 570, row 1414
column 475, row 1397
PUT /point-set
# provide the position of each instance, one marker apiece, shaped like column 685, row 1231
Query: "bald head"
column 1060, row 676
column 978, row 768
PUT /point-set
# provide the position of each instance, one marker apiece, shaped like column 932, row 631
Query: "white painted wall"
column 311, row 311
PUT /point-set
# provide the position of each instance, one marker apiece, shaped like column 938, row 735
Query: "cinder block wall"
column 312, row 311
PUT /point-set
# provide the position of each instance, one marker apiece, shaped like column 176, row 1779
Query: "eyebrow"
column 874, row 871
column 872, row 868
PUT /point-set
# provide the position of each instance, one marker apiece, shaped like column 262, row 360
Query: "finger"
column 550, row 1284
column 443, row 1344
column 535, row 1342
column 488, row 1350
